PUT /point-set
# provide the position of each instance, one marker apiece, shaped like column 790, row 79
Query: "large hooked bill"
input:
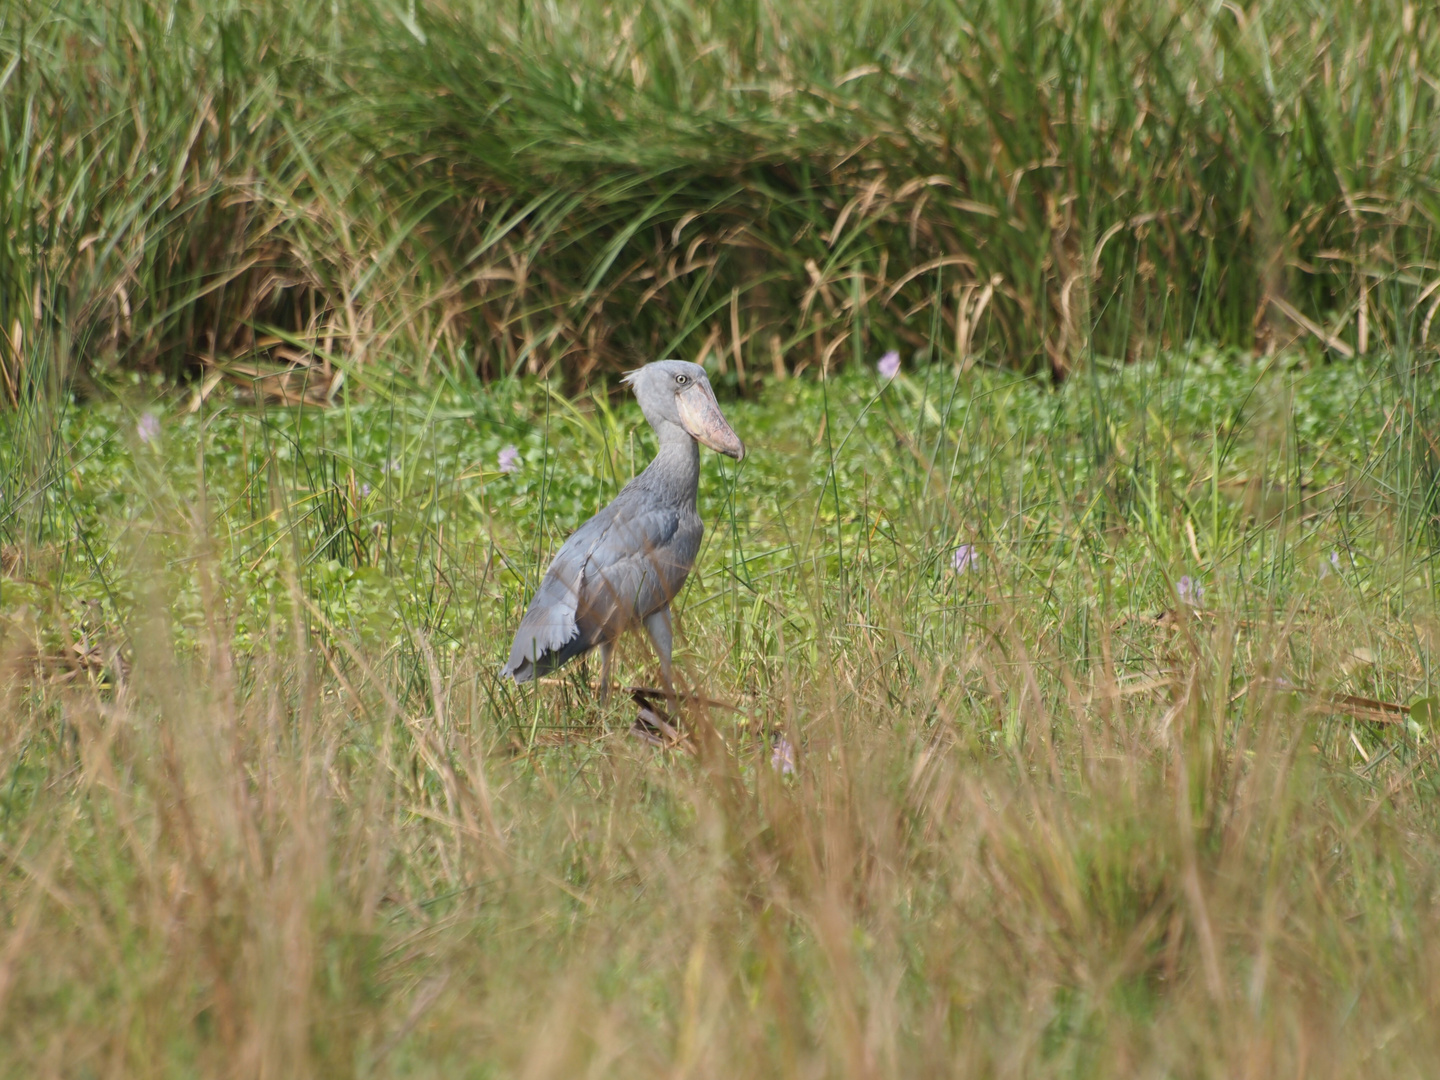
column 700, row 413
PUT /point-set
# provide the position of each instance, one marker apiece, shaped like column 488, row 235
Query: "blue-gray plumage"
column 624, row 566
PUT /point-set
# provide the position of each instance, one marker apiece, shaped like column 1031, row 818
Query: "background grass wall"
column 577, row 187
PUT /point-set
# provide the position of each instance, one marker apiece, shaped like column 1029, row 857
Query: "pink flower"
column 149, row 428
column 509, row 459
column 889, row 365
column 963, row 557
column 1190, row 591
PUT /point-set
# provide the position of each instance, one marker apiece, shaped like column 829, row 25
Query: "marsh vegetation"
column 1063, row 701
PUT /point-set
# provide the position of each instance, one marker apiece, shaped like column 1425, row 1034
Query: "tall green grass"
column 572, row 187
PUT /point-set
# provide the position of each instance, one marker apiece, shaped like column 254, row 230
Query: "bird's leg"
column 657, row 625
column 607, row 650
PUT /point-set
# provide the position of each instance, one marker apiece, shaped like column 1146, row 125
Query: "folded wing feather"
column 617, row 568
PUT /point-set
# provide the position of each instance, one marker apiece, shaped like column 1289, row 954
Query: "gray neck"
column 674, row 475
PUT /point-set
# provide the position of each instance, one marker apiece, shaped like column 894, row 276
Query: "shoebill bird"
column 623, row 567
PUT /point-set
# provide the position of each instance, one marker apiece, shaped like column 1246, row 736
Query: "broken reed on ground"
column 1050, row 814
column 372, row 185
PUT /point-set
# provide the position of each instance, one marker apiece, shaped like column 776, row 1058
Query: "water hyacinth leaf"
column 1425, row 712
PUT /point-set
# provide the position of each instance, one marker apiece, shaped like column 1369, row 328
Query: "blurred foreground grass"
column 1131, row 790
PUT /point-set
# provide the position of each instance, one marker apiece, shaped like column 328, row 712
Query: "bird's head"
column 677, row 392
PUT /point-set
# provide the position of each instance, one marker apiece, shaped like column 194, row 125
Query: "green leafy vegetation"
column 1129, row 787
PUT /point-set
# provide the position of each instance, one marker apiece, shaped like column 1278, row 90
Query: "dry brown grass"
column 285, row 864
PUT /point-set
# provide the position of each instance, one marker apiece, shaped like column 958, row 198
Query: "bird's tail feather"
column 549, row 660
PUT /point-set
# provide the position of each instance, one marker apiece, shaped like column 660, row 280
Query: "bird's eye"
column 681, row 380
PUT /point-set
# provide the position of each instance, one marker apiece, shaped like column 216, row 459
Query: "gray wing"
column 620, row 566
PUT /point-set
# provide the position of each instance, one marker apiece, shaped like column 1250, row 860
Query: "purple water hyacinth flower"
column 148, row 428
column 1190, row 591
column 509, row 459
column 782, row 757
column 963, row 557
column 364, row 491
column 889, row 365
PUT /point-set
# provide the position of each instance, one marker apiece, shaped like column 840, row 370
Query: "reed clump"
column 281, row 192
